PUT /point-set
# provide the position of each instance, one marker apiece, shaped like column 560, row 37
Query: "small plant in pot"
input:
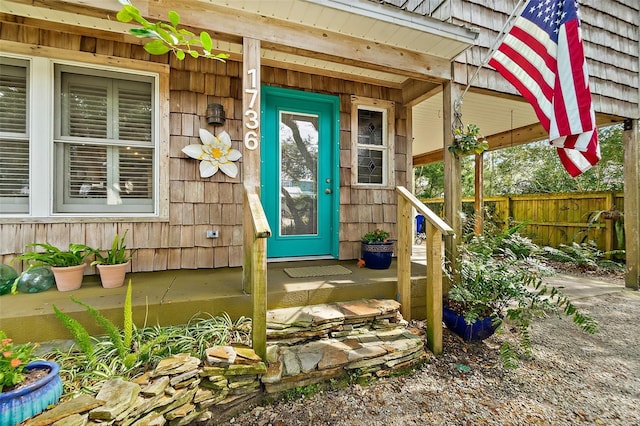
column 27, row 386
column 67, row 265
column 499, row 282
column 377, row 249
column 468, row 141
column 113, row 263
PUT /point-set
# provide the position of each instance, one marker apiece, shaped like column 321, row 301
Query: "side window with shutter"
column 14, row 137
column 104, row 145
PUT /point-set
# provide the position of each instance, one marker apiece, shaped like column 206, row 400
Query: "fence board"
column 551, row 219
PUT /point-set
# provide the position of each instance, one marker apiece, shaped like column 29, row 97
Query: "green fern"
column 122, row 344
column 108, row 326
column 79, row 333
column 509, row 356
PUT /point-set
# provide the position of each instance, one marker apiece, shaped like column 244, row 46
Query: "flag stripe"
column 543, row 57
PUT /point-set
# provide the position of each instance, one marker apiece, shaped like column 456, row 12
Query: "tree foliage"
column 167, row 37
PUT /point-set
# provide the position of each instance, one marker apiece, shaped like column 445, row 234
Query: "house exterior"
column 93, row 126
column 325, row 100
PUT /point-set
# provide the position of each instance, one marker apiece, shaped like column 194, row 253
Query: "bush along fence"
column 308, row 345
column 555, row 219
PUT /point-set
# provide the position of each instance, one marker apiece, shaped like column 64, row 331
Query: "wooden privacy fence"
column 551, row 219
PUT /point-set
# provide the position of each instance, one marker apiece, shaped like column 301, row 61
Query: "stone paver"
column 314, row 344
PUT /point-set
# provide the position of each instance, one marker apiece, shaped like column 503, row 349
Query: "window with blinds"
column 104, row 148
column 14, row 137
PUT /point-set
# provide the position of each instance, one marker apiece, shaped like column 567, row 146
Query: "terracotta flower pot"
column 112, row 276
column 25, row 402
column 68, row 277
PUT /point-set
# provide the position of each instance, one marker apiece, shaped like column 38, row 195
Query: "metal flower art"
column 215, row 153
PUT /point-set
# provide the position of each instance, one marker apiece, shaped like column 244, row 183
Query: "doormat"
column 317, row 271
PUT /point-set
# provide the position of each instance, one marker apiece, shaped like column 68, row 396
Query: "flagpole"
column 492, row 49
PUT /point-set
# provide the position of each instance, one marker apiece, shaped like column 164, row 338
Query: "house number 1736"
column 253, row 121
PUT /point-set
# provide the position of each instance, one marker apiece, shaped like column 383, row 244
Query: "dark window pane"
column 370, row 166
column 370, row 127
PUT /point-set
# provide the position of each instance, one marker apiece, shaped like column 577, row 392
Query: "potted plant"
column 468, row 141
column 67, row 265
column 27, row 386
column 377, row 249
column 500, row 281
column 113, row 264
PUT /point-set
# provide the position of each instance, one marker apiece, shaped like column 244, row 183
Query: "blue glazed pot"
column 20, row 404
column 377, row 255
column 479, row 330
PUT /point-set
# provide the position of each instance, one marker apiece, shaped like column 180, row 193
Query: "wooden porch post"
column 254, row 255
column 479, row 193
column 632, row 203
column 452, row 178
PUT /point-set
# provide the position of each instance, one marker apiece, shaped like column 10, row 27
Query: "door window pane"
column 298, row 174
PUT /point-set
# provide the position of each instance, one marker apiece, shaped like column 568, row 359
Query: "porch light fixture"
column 215, row 114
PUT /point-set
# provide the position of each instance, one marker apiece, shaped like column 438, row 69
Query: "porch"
column 173, row 297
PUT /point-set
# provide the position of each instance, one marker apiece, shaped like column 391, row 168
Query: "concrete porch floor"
column 174, row 297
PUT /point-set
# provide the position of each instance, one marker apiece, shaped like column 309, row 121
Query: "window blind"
column 14, row 141
column 13, row 99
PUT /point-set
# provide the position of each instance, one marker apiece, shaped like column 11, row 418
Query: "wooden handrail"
column 435, row 229
column 428, row 214
column 261, row 226
column 254, row 269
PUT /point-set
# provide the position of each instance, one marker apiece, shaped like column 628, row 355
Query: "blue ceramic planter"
column 479, row 330
column 20, row 404
column 377, row 255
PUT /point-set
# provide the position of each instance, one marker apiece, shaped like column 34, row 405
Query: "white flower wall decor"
column 215, row 153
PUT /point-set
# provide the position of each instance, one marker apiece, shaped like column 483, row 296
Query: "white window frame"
column 387, row 147
column 41, row 130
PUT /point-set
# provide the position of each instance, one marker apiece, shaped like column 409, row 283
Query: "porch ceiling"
column 494, row 115
column 365, row 20
column 504, row 120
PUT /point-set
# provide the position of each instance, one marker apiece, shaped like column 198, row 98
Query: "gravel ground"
column 575, row 378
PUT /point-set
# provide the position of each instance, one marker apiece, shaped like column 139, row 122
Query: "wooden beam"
column 251, row 98
column 452, row 178
column 428, row 158
column 250, row 157
column 403, row 252
column 416, row 91
column 434, row 288
column 632, row 204
column 479, row 195
column 520, row 136
column 280, row 34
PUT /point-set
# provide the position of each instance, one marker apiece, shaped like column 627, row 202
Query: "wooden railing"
column 254, row 272
column 435, row 228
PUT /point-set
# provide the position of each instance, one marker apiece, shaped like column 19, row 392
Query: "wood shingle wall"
column 196, row 204
column 610, row 32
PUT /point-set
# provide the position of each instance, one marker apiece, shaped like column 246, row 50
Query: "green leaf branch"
column 166, row 37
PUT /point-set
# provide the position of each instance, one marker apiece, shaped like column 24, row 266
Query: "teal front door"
column 299, row 170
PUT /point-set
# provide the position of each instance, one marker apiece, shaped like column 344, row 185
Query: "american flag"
column 543, row 57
